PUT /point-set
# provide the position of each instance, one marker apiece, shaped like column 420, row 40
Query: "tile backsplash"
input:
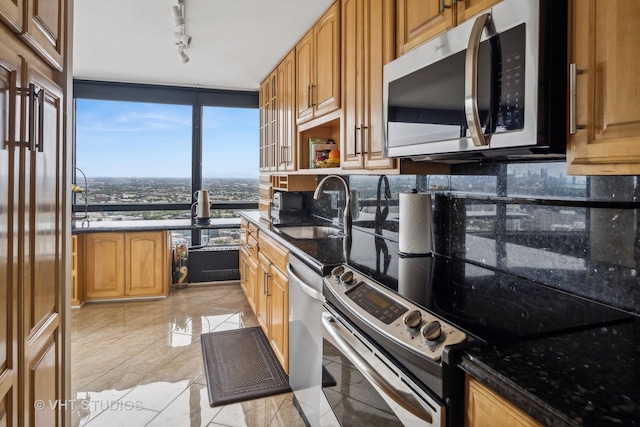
column 576, row 233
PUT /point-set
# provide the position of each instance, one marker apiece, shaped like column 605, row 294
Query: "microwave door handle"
column 471, row 79
column 403, row 399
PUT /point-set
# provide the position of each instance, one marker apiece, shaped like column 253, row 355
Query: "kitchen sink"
column 310, row 231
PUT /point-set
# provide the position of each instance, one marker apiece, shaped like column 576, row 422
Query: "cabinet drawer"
column 272, row 250
column 252, row 247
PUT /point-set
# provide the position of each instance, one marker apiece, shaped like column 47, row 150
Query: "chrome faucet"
column 346, row 215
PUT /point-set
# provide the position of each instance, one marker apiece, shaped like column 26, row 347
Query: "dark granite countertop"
column 588, row 378
column 152, row 225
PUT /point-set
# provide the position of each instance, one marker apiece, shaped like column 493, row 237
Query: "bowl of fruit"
column 327, row 159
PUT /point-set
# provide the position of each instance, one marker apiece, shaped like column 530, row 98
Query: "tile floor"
column 139, row 363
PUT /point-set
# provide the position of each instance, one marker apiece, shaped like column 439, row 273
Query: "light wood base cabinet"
column 263, row 278
column 126, row 265
column 485, row 408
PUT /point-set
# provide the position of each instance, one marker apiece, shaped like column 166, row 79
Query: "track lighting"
column 184, row 40
column 184, row 58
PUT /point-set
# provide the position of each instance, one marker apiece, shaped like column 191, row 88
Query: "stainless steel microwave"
column 493, row 86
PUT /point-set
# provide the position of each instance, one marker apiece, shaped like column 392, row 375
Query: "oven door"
column 369, row 390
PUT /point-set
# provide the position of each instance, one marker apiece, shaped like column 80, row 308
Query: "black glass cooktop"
column 491, row 306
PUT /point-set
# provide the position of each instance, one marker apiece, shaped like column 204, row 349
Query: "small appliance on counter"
column 201, row 209
column 284, row 205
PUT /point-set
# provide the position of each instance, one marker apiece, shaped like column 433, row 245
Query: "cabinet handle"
column 32, row 94
column 265, row 283
column 471, row 79
column 364, row 131
column 356, row 130
column 573, row 73
column 312, row 101
column 309, row 94
column 444, row 6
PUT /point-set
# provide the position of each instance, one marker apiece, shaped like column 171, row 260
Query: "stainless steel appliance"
column 285, row 204
column 305, row 342
column 492, row 86
column 201, row 209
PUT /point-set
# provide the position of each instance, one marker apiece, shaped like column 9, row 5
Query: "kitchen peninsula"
column 127, row 259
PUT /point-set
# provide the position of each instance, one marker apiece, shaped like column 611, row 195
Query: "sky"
column 131, row 139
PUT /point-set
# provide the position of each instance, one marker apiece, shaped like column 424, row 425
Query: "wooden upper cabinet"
column 465, row 9
column 304, row 77
column 286, row 98
column 318, row 67
column 268, row 123
column 605, row 40
column 11, row 12
column 368, row 44
column 326, row 94
column 44, row 29
column 420, row 20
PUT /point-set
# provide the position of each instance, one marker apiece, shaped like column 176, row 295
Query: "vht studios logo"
column 87, row 405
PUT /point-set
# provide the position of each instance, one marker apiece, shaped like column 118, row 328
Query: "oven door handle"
column 402, row 398
column 303, row 286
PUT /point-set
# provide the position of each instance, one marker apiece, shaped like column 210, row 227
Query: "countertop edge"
column 539, row 410
column 266, row 226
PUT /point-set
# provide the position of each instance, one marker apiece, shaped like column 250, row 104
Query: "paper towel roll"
column 415, row 228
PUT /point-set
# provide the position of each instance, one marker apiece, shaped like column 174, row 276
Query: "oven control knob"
column 347, row 277
column 431, row 331
column 336, row 272
column 413, row 319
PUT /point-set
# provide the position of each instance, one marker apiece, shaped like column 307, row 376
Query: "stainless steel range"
column 403, row 333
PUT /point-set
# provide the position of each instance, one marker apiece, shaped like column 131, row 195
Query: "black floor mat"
column 240, row 365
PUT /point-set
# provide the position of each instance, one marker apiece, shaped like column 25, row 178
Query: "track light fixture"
column 184, row 40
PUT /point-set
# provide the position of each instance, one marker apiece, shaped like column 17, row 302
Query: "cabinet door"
column 76, row 271
column 252, row 282
column 279, row 319
column 42, row 266
column 605, row 40
column 486, row 408
column 379, row 29
column 264, row 107
column 286, row 113
column 104, row 265
column 326, row 93
column 304, row 78
column 11, row 14
column 420, row 20
column 146, row 263
column 467, row 8
column 10, row 69
column 353, row 83
column 44, row 29
column 262, row 292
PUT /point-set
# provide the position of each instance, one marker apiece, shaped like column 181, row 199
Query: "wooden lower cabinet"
column 148, row 265
column 248, row 277
column 279, row 322
column 486, row 408
column 126, row 264
column 264, row 281
column 77, row 296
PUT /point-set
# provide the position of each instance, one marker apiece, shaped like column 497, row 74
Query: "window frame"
column 195, row 97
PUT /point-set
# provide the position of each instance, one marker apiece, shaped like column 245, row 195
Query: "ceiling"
column 235, row 43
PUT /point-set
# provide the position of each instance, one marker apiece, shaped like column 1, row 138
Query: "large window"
column 141, row 151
